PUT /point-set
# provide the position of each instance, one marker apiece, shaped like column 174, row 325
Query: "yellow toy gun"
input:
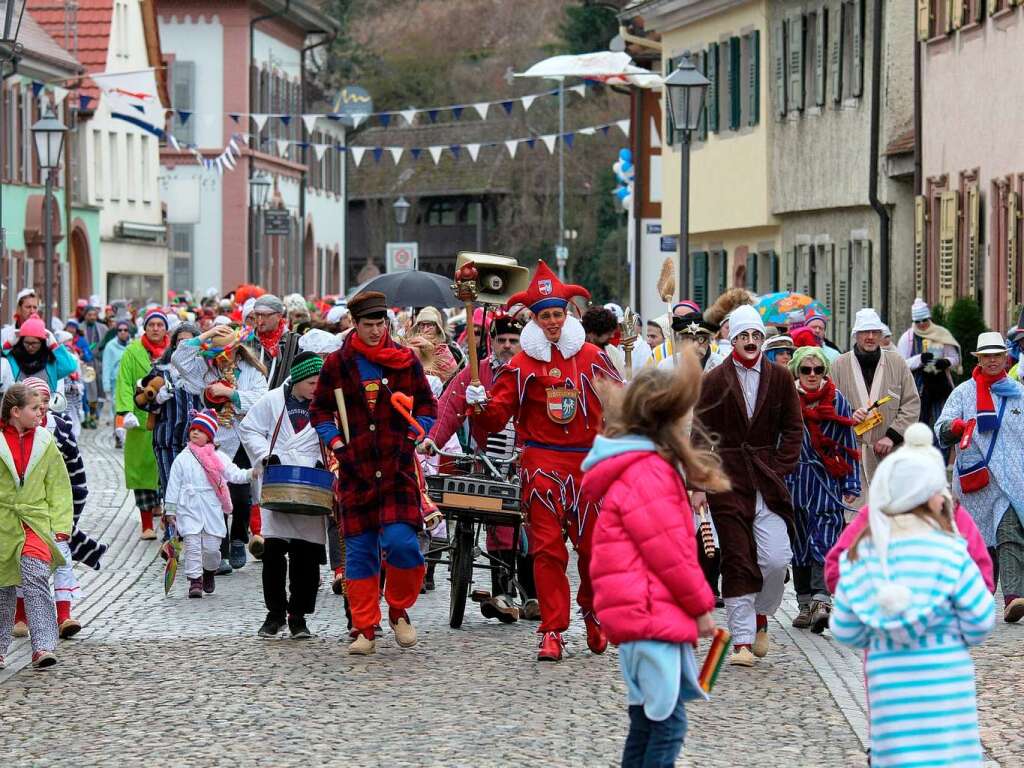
column 874, row 416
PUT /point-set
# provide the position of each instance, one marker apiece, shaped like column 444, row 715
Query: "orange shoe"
column 597, row 640
column 551, row 645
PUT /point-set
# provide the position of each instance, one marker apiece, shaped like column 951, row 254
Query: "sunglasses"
column 818, row 370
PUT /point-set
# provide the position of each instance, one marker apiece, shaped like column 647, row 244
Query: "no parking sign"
column 402, row 256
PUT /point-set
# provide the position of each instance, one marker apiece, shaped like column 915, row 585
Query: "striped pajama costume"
column 920, row 675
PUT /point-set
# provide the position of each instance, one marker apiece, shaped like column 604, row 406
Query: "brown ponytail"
column 16, row 396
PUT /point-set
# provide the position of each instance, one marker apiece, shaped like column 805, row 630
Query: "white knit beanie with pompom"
column 904, row 480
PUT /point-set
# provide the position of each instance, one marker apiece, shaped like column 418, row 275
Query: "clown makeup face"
column 551, row 321
column 992, row 364
column 811, row 373
column 655, row 336
column 748, row 344
column 506, row 346
column 198, row 437
column 868, row 341
column 701, row 340
column 156, row 329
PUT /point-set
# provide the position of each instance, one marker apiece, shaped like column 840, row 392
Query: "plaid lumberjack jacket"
column 377, row 482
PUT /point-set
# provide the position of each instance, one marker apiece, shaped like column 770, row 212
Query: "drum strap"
column 277, row 430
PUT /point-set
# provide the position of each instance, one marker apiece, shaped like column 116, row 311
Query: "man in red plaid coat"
column 378, row 489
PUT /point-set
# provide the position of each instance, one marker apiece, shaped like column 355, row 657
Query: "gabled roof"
column 39, row 45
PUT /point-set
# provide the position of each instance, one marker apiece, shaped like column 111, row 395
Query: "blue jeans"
column 654, row 743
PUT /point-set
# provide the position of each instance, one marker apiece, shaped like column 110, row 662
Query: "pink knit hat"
column 32, row 328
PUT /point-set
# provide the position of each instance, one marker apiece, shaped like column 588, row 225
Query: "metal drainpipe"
column 253, row 266
column 305, row 160
column 639, row 193
column 876, row 204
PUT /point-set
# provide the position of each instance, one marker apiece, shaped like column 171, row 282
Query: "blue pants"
column 654, row 743
column 397, row 541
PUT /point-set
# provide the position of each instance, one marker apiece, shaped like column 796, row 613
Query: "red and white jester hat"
column 547, row 291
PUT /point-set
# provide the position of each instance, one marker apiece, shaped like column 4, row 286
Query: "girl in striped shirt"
column 912, row 597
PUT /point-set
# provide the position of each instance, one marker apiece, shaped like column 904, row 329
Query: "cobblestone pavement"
column 158, row 679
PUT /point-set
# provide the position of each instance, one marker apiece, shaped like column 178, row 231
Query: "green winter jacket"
column 139, row 460
column 42, row 502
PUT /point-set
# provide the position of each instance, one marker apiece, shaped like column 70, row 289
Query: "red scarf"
column 985, row 407
column 155, row 350
column 818, row 407
column 742, row 360
column 384, row 355
column 271, row 341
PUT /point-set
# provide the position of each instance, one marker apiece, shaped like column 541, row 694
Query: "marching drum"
column 298, row 490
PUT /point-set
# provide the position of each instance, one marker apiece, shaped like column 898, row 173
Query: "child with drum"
column 198, row 500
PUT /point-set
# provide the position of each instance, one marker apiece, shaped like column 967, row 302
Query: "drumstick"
column 339, row 398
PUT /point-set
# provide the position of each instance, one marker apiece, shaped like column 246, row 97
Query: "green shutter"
column 835, row 59
column 699, row 262
column 779, row 66
column 820, row 43
column 670, row 128
column 712, row 96
column 773, row 267
column 754, row 77
column 723, row 271
column 857, row 69
column 752, row 271
column 735, row 103
column 702, row 124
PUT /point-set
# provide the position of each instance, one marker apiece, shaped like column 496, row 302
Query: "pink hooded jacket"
column 647, row 582
column 964, row 525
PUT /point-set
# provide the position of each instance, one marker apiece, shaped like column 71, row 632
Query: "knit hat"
column 319, row 342
column 32, row 328
column 919, row 310
column 802, row 353
column 744, row 318
column 904, row 480
column 432, row 315
column 38, row 384
column 867, row 320
column 795, row 319
column 804, row 337
column 688, row 305
column 270, row 302
column 304, row 366
column 155, row 314
column 206, row 421
column 368, row 303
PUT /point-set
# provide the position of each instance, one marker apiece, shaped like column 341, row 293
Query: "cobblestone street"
column 166, row 680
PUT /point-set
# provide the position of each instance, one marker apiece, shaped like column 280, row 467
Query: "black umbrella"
column 412, row 288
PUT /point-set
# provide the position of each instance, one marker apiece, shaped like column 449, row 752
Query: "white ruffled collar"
column 536, row 345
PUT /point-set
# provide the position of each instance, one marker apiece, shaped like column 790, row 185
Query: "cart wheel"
column 461, row 571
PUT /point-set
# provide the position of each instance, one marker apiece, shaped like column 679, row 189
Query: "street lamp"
column 401, row 208
column 49, row 138
column 685, row 89
column 11, row 12
column 259, row 188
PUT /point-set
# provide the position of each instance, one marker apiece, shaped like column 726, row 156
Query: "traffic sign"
column 401, row 256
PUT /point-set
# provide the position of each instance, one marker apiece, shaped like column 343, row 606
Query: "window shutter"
column 863, row 268
column 842, row 307
column 702, row 124
column 993, row 6
column 754, row 77
column 956, row 13
column 803, row 269
column 924, row 19
column 920, row 245
column 1013, row 289
column 752, row 271
column 773, row 271
column 796, row 63
column 700, row 277
column 735, row 105
column 788, row 270
column 973, row 238
column 183, row 85
column 723, row 272
column 949, row 205
column 712, row 95
column 825, row 272
column 821, row 27
column 857, row 68
column 779, row 66
column 670, row 128
column 835, row 59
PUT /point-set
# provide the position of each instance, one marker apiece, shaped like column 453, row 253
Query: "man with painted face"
column 752, row 407
column 548, row 388
column 692, row 328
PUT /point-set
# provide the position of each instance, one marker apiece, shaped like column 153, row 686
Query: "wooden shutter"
column 773, row 271
column 796, row 62
column 752, row 271
column 835, row 59
column 842, row 307
column 735, row 95
column 754, row 77
column 864, row 273
column 924, row 20
column 973, row 238
column 857, row 65
column 956, row 13
column 920, row 245
column 788, row 282
column 803, row 269
column 1012, row 246
column 670, row 127
column 949, row 208
column 820, row 46
column 702, row 124
column 699, row 260
column 713, row 89
column 993, row 6
column 779, row 66
column 723, row 272
column 825, row 273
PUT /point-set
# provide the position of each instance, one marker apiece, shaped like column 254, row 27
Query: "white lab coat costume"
column 191, row 498
column 302, row 449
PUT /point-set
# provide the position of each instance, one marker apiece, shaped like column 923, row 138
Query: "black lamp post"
column 401, row 207
column 49, row 138
column 11, row 12
column 685, row 89
column 259, row 188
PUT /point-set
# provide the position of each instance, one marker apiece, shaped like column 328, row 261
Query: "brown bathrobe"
column 757, row 453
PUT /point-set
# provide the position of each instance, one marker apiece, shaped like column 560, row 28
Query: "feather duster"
column 726, row 303
column 667, row 280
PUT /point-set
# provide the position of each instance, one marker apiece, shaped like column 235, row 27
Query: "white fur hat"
column 744, row 318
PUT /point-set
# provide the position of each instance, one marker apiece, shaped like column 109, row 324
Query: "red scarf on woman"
column 271, row 340
column 155, row 350
column 383, row 355
column 818, row 407
column 986, row 408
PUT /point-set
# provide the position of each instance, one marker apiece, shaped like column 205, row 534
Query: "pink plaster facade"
column 972, row 113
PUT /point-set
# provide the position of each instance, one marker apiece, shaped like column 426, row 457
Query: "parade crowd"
column 699, row 459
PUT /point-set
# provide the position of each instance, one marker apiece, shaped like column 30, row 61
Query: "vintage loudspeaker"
column 499, row 276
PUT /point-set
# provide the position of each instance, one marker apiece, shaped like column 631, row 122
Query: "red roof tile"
column 93, row 22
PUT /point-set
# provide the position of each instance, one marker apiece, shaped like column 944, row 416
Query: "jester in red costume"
column 549, row 389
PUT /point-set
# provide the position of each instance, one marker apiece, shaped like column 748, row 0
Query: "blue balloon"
column 626, row 155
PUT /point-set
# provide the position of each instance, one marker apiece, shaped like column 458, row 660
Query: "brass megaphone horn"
column 499, row 277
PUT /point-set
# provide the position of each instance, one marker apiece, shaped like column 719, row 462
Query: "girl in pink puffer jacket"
column 650, row 594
